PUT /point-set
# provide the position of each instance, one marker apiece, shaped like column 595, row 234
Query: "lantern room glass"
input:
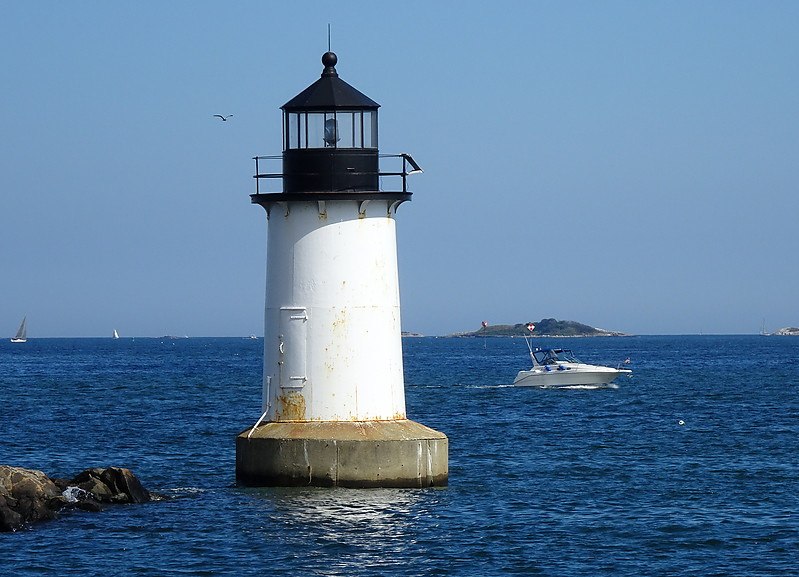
column 330, row 129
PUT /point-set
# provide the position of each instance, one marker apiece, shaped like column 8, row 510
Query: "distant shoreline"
column 784, row 332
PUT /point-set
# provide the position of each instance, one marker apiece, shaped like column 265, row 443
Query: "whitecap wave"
column 183, row 491
column 75, row 494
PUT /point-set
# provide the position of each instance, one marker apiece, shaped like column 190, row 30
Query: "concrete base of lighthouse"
column 399, row 453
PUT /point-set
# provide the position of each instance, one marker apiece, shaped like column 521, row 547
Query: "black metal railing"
column 407, row 163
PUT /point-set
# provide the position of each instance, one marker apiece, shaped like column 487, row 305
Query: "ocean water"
column 688, row 468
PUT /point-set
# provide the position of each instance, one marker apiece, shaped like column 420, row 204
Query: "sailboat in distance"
column 115, row 335
column 22, row 332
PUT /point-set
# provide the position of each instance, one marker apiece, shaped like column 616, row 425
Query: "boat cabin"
column 554, row 356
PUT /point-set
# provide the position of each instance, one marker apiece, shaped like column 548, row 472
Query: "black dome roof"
column 330, row 92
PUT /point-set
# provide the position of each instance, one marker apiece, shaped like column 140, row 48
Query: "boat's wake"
column 487, row 386
column 577, row 387
column 551, row 387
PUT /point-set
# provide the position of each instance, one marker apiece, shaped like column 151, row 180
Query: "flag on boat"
column 485, row 324
column 530, row 327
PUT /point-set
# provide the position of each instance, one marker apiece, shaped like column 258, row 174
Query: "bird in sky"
column 224, row 118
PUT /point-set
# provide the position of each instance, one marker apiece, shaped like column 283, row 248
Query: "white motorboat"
column 560, row 368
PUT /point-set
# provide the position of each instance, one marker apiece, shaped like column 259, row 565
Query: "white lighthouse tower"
column 333, row 390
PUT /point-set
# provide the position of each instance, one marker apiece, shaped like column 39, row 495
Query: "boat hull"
column 568, row 375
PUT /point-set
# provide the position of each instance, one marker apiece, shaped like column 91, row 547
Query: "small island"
column 543, row 328
column 411, row 334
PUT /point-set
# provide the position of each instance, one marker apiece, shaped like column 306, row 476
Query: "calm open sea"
column 688, row 468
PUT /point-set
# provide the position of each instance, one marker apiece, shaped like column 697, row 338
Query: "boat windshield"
column 554, row 356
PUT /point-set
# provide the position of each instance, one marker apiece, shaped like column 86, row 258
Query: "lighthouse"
column 333, row 409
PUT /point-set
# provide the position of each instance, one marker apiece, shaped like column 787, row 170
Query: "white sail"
column 116, row 334
column 22, row 332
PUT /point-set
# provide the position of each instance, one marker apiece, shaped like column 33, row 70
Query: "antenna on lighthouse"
column 328, row 37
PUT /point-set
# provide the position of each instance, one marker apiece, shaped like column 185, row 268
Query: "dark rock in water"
column 27, row 496
column 112, row 485
column 8, row 517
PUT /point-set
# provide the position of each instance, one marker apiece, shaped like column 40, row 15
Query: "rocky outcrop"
column 111, row 485
column 28, row 496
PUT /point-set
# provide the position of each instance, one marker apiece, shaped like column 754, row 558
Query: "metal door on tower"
column 292, row 347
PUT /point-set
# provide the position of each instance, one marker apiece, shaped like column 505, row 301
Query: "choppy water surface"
column 688, row 468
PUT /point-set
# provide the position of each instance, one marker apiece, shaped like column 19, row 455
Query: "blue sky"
column 630, row 165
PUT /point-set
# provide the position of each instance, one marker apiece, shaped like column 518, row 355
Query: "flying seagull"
column 224, row 118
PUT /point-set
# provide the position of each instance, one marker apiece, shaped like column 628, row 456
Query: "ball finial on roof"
column 329, row 59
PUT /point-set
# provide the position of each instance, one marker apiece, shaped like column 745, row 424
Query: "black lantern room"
column 330, row 144
column 330, row 137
